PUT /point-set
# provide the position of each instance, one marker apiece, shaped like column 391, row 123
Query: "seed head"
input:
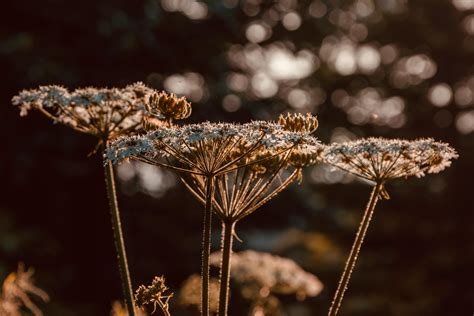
column 300, row 123
column 153, row 294
column 206, row 148
column 168, row 106
column 380, row 159
column 102, row 112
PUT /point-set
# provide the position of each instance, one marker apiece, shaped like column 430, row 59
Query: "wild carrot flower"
column 261, row 174
column 260, row 273
column 260, row 277
column 379, row 160
column 205, row 148
column 154, row 294
column 16, row 291
column 105, row 113
column 102, row 112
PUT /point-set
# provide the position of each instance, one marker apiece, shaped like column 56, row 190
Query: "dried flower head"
column 297, row 122
column 15, row 293
column 380, row 159
column 190, row 293
column 205, row 148
column 259, row 273
column 168, row 106
column 103, row 112
column 258, row 175
column 154, row 294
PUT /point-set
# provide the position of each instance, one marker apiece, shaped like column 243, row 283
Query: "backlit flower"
column 259, row 272
column 380, row 159
column 103, row 112
column 205, row 148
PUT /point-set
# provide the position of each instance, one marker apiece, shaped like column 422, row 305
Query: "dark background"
column 418, row 258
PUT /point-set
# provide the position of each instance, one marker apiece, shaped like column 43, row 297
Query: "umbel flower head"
column 260, row 272
column 380, row 159
column 260, row 177
column 102, row 112
column 257, row 177
column 205, row 148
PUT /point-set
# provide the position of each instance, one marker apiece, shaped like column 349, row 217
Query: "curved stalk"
column 118, row 238
column 226, row 244
column 206, row 246
column 352, row 259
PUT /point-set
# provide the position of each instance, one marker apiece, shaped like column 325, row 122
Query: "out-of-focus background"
column 392, row 68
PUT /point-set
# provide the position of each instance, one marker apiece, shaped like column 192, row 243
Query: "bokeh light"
column 440, row 94
column 189, row 84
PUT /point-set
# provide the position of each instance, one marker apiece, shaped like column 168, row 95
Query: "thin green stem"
column 118, row 237
column 352, row 259
column 226, row 245
column 206, row 246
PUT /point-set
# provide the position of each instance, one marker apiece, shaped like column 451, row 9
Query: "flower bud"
column 296, row 122
column 168, row 106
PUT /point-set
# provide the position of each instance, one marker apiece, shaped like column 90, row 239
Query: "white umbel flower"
column 279, row 275
column 103, row 112
column 381, row 159
column 206, row 148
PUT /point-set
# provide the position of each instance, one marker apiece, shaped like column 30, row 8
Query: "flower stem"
column 352, row 259
column 206, row 246
column 118, row 238
column 227, row 238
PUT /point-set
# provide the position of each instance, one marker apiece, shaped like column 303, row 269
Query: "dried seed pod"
column 168, row 106
column 296, row 122
column 154, row 294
